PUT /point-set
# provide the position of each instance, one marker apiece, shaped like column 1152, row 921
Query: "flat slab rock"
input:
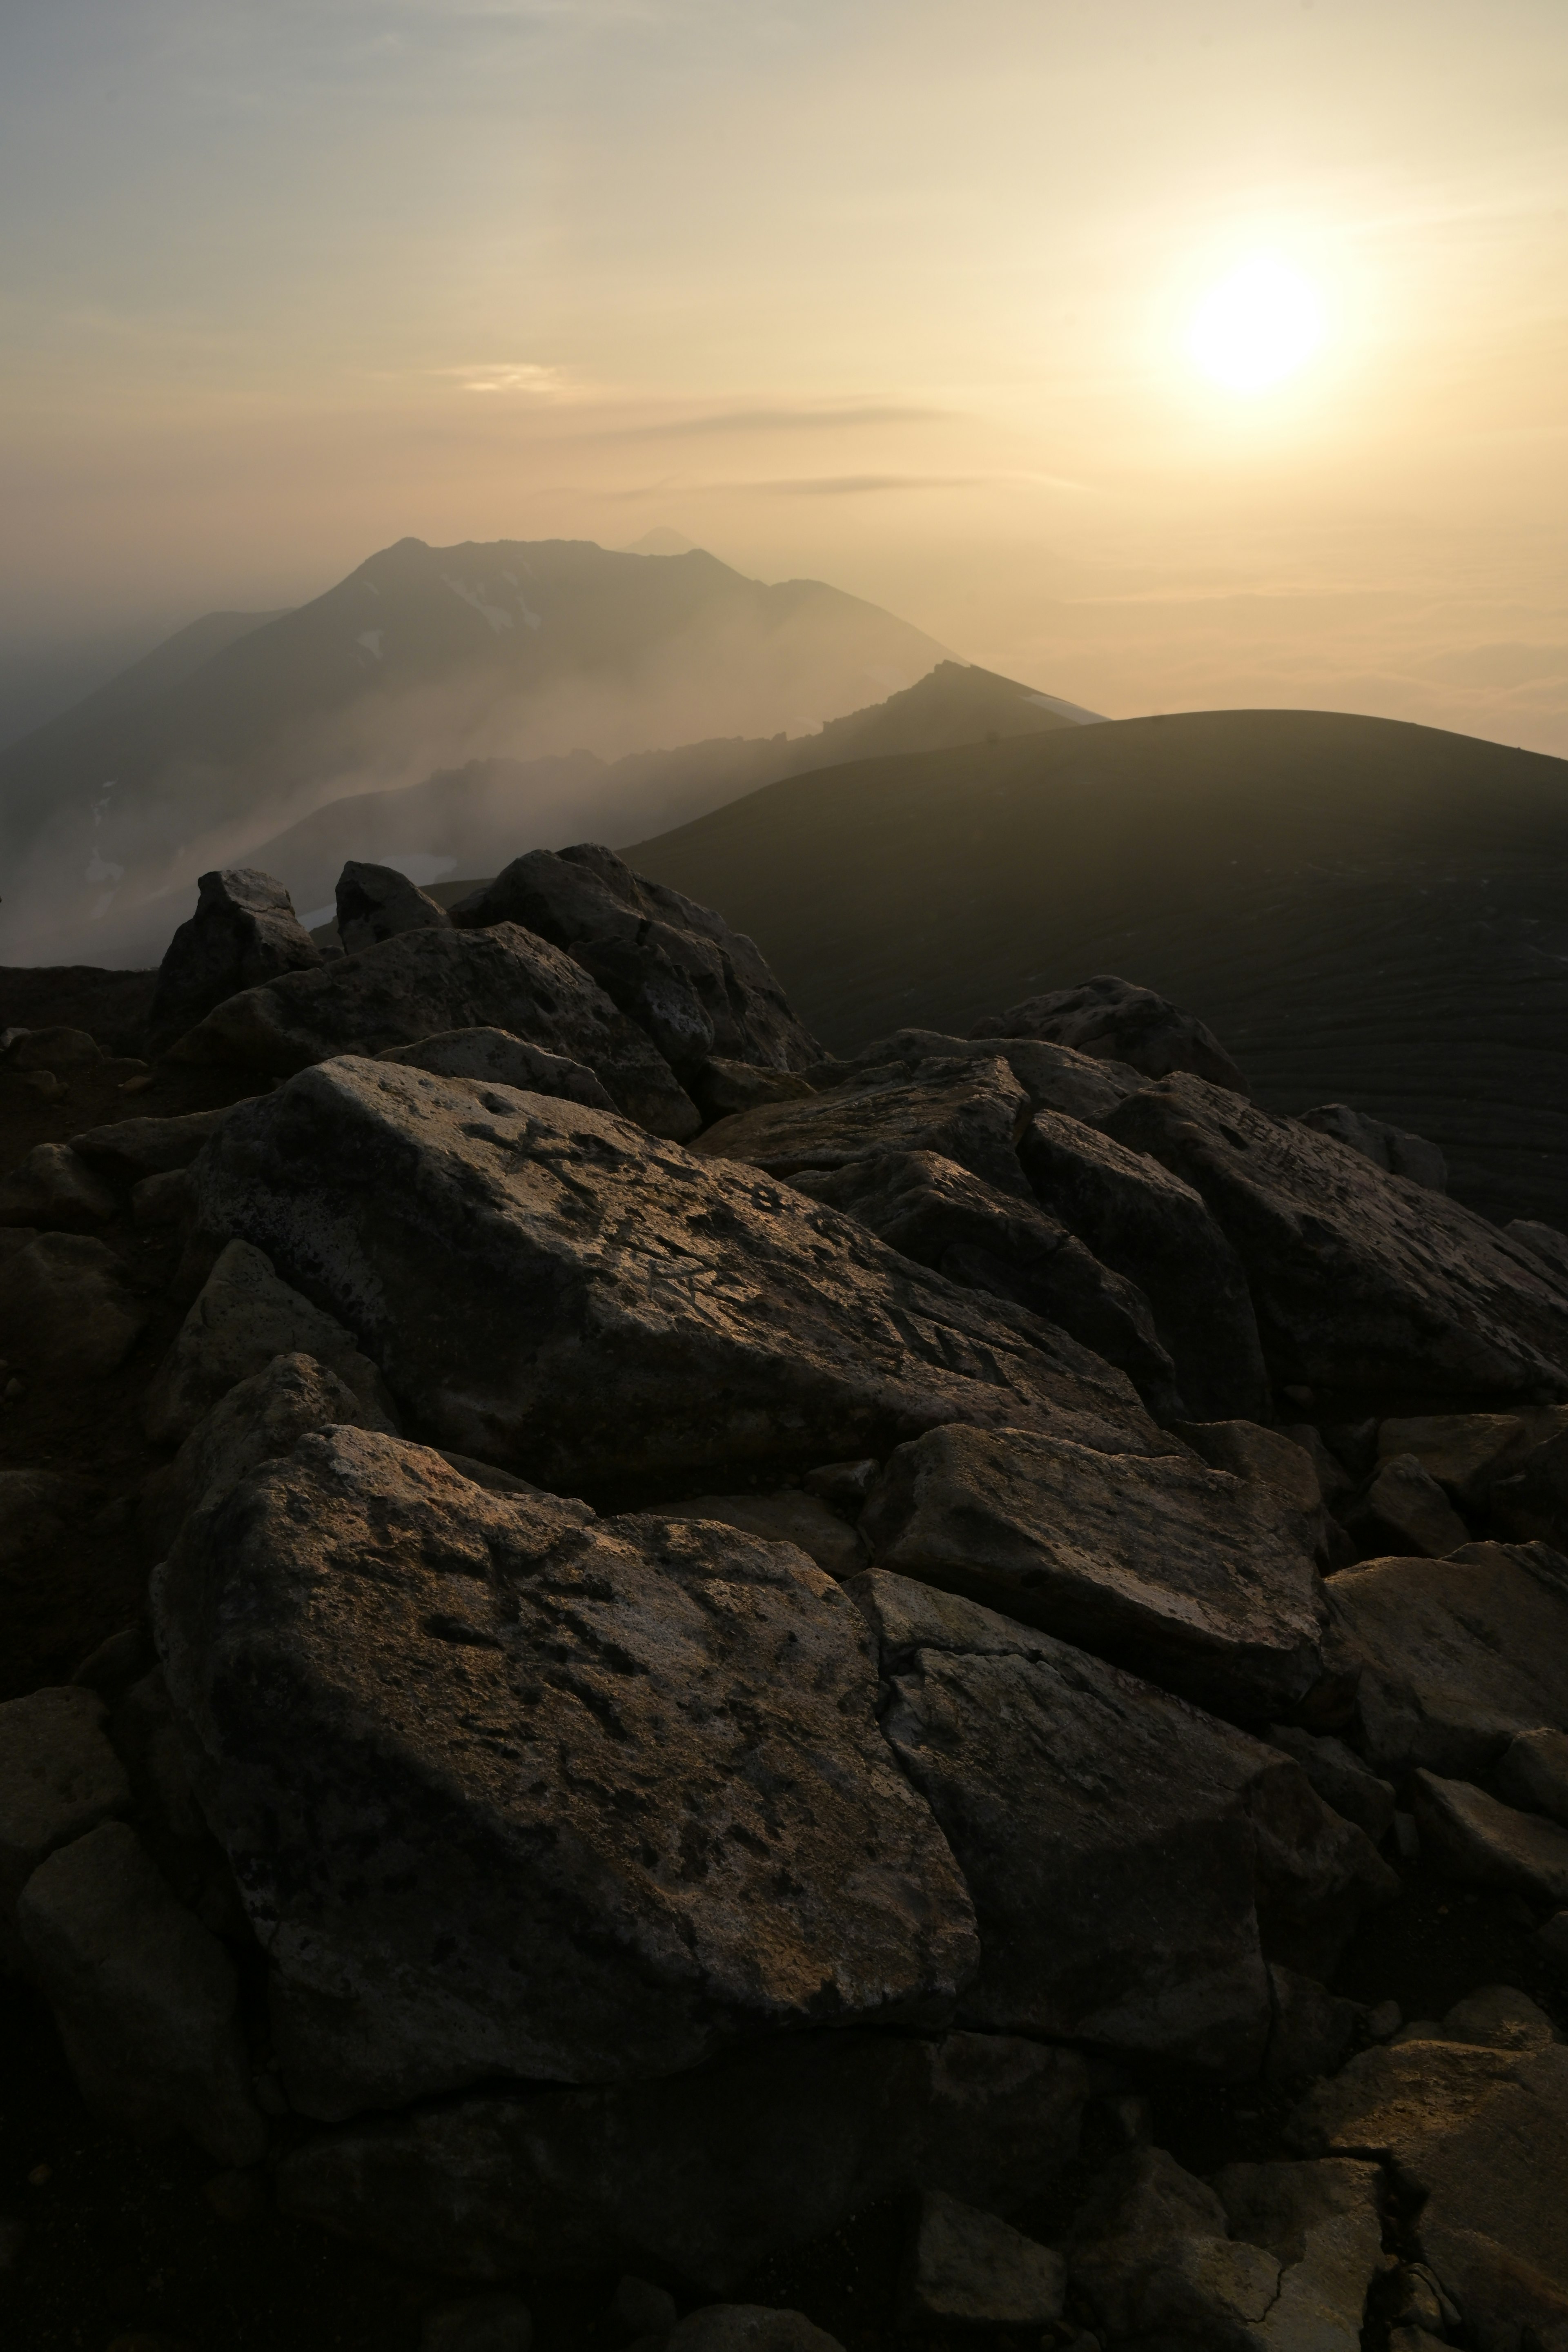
column 425, row 982
column 453, row 1741
column 1455, row 1656
column 1478, row 2137
column 548, row 1287
column 1364, row 1283
column 1054, row 1078
column 1130, row 1857
column 1195, row 1578
column 968, row 1111
column 678, row 2172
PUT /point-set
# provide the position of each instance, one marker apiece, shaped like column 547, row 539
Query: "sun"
column 1259, row 325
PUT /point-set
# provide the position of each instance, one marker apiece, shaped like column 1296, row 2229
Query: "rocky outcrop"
column 426, row 983
column 243, row 933
column 499, row 1060
column 970, row 1112
column 933, row 1211
column 1129, row 1858
column 1363, row 1285
column 1116, row 1021
column 678, row 2173
column 1155, row 1230
column 654, row 1741
column 1194, row 1578
column 377, row 902
column 677, row 969
column 546, row 1288
column 1389, row 1148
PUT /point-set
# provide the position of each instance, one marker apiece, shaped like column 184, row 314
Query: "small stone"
column 165, row 1199
column 45, row 1083
column 1533, row 1774
column 642, row 2308
column 1406, row 1510
column 137, row 1085
column 969, row 2269
column 844, row 1485
column 1499, row 2017
column 119, row 1660
column 49, row 1050
column 482, row 2323
column 749, row 2327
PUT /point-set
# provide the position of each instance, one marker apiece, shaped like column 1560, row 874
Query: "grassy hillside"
column 1366, row 912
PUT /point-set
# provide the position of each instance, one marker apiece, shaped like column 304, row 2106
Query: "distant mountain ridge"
column 421, row 656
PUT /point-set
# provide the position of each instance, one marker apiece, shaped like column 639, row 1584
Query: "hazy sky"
column 895, row 295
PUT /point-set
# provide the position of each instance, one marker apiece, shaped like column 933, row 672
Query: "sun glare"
column 1257, row 326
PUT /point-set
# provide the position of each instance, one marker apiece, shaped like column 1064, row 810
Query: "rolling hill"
column 422, row 657
column 1364, row 911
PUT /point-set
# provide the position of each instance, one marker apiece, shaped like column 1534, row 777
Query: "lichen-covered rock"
column 547, row 1287
column 244, row 932
column 425, row 982
column 1199, row 1580
column 455, row 1741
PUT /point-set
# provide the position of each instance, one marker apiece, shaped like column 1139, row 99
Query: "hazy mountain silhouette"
column 1364, row 911
column 472, row 820
column 421, row 655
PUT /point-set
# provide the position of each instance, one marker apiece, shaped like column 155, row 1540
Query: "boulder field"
column 734, row 1639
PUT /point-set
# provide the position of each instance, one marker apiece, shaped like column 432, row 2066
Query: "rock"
column 1126, row 1854
column 1311, row 2032
column 643, row 2309
column 260, row 1419
column 969, row 2269
column 484, row 2323
column 1364, row 1285
column 1406, row 1510
column 1273, row 1459
column 58, row 1779
column 932, row 1209
column 1153, row 1230
column 547, row 1288
column 243, row 934
column 1334, row 1481
column 1464, row 1452
column 501, row 1060
column 1499, row 2017
column 36, row 1507
column 54, row 1191
column 1054, row 1078
column 787, row 1517
column 130, row 1148
column 166, row 1200
column 1151, row 2252
column 1197, row 1579
column 844, row 1485
column 719, row 1089
column 971, row 1112
column 1323, row 2222
column 1340, row 1778
column 117, row 1662
column 424, row 984
column 143, row 1996
column 1470, row 1836
column 1477, row 2139
column 1116, row 1021
column 1533, row 1774
column 1457, row 1657
column 54, row 1049
column 243, row 1317
column 67, row 1310
column 1543, row 1241
column 1419, row 2305
column 1388, row 1147
column 749, row 2327
column 697, row 988
column 377, row 902
column 1533, row 1505
column 677, row 2172
column 693, row 1786
column 1552, row 1942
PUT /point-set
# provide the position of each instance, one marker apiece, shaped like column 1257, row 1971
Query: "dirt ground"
column 123, row 2249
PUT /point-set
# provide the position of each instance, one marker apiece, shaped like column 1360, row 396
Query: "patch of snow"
column 496, row 614
column 371, row 640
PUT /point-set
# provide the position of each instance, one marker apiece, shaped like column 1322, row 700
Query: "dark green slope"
column 1364, row 911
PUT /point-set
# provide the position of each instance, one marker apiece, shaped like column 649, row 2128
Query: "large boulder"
column 243, row 933
column 131, row 1148
column 1364, row 1285
column 53, row 1190
column 547, row 1287
column 58, row 1779
column 1132, row 1860
column 509, row 1790
column 1199, row 1580
column 681, row 2172
column 377, row 902
column 68, row 1308
column 425, row 982
column 500, row 1060
column 971, row 1112
column 1153, row 1229
column 932, row 1209
column 1455, row 1656
column 1476, row 2138
column 1054, row 1078
column 1115, row 1020
column 677, row 969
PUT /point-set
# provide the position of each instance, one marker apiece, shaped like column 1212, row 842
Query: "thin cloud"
column 776, row 420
